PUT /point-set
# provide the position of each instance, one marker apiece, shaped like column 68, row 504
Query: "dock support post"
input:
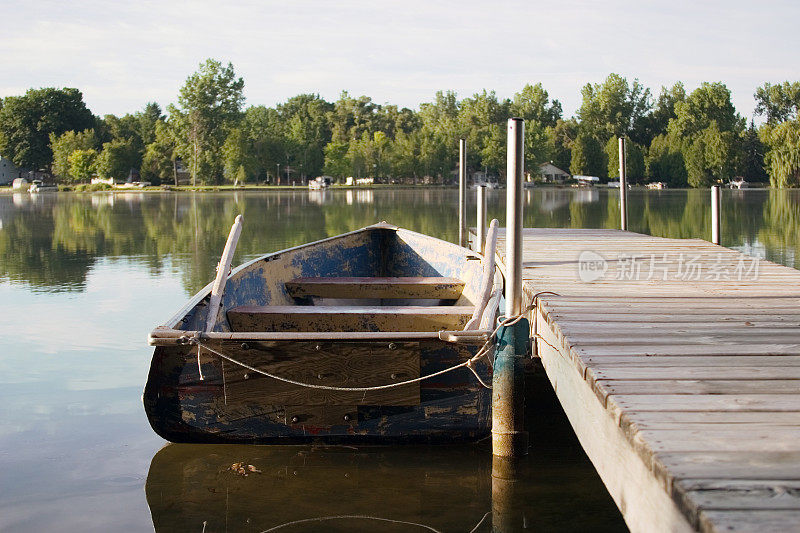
column 715, row 214
column 509, row 438
column 480, row 228
column 623, row 187
column 506, row 477
column 462, row 192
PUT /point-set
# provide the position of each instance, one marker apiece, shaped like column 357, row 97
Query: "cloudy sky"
column 124, row 54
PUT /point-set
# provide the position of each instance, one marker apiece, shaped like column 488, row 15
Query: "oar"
column 223, row 268
column 487, row 282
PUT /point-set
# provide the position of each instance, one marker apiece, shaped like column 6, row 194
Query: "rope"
column 350, row 517
column 482, row 352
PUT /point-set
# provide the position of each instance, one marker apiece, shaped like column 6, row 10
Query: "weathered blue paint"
column 509, row 437
column 183, row 408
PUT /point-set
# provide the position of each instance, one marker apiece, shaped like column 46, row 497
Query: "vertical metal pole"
column 480, row 228
column 509, row 438
column 715, row 214
column 462, row 192
column 623, row 187
column 514, row 170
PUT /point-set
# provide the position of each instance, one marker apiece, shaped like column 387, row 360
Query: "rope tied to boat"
column 484, row 351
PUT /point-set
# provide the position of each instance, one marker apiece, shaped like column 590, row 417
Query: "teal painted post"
column 509, row 438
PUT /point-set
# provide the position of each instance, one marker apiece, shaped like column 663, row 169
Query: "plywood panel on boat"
column 692, row 352
column 348, row 318
column 346, row 365
column 376, row 287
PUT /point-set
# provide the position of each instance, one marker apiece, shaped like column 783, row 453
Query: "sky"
column 122, row 55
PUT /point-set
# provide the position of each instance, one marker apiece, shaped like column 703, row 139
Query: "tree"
column 710, row 158
column 159, row 161
column 587, row 156
column 634, row 160
column 783, row 157
column 753, row 150
column 63, row 146
column 336, row 161
column 665, row 162
column 709, row 102
column 560, row 139
column 82, row 164
column 237, row 156
column 210, row 105
column 307, row 131
column 264, row 129
column 26, row 123
column 477, row 119
column 533, row 103
column 118, row 158
column 779, row 102
column 613, row 108
column 656, row 122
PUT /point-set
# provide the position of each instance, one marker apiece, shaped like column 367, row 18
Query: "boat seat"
column 335, row 318
column 376, row 287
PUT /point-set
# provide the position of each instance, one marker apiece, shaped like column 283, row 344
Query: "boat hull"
column 229, row 388
column 237, row 405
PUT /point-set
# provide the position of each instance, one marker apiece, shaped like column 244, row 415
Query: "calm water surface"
column 83, row 278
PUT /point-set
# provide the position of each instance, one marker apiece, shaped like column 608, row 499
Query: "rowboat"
column 372, row 336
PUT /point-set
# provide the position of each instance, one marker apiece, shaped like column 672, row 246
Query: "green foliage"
column 664, row 162
column 62, row 147
column 236, row 152
column 613, row 108
column 711, row 102
column 26, row 123
column 752, row 156
column 783, row 157
column 82, row 164
column 210, row 105
column 779, row 102
column 560, row 139
column 336, row 161
column 587, row 157
column 307, row 132
column 118, row 158
column 158, row 163
column 655, row 123
column 634, row 160
column 709, row 157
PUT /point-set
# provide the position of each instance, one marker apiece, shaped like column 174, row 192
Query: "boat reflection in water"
column 192, row 487
column 306, row 488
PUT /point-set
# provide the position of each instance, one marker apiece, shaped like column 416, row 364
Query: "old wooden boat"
column 353, row 338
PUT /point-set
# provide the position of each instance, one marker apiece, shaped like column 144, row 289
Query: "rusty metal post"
column 509, row 438
column 462, row 192
column 623, row 187
column 480, row 227
column 715, row 214
column 506, row 478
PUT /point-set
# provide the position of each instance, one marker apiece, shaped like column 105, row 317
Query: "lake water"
column 85, row 277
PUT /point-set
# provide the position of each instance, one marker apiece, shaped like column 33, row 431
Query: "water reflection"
column 50, row 241
column 261, row 488
column 408, row 488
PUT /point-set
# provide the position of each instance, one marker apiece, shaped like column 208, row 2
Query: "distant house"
column 9, row 171
column 552, row 174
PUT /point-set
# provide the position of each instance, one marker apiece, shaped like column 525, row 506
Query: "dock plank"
column 698, row 371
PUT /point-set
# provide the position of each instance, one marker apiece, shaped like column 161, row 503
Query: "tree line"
column 693, row 139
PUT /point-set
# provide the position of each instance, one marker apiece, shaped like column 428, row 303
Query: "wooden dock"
column 678, row 365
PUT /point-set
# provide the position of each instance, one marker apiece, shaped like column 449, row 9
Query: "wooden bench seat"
column 376, row 287
column 321, row 318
